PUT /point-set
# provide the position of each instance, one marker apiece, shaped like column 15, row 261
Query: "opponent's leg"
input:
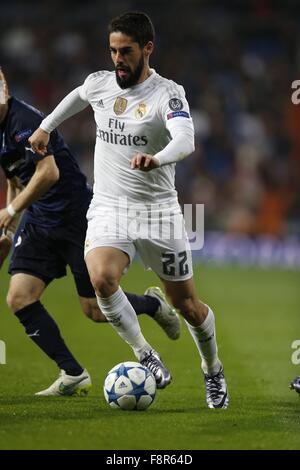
column 153, row 303
column 24, row 300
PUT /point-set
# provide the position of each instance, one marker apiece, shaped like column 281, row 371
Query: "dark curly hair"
column 135, row 24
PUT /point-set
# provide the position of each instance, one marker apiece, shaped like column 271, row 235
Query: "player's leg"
column 23, row 298
column 200, row 321
column 106, row 266
column 153, row 303
column 199, row 318
column 91, row 309
column 170, row 258
column 148, row 304
column 141, row 304
column 33, row 265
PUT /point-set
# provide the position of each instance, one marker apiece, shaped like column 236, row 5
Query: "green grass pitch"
column 257, row 315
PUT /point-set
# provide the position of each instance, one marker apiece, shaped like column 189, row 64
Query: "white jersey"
column 130, row 121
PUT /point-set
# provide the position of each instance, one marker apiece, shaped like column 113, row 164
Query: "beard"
column 132, row 77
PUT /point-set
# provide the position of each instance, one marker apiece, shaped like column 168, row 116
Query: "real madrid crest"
column 140, row 111
column 120, row 105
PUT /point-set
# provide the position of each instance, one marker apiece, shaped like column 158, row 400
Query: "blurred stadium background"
column 237, row 61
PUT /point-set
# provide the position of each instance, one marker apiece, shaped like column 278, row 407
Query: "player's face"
column 128, row 58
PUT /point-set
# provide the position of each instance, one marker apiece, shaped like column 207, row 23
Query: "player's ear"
column 148, row 48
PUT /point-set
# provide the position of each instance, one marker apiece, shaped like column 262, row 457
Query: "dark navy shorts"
column 46, row 252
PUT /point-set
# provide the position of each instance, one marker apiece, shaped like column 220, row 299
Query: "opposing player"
column 143, row 128
column 51, row 236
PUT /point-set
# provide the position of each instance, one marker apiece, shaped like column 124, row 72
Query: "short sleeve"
column 28, row 120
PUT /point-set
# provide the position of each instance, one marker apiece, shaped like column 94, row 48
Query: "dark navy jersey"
column 69, row 195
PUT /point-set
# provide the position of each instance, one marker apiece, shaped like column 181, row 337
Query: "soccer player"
column 143, row 128
column 51, row 236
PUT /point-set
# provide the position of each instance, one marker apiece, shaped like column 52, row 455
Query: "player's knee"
column 17, row 300
column 105, row 283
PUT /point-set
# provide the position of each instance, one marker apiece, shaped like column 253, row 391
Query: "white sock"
column 122, row 317
column 205, row 340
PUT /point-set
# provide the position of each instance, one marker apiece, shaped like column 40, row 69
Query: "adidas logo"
column 100, row 104
column 36, row 333
column 122, row 385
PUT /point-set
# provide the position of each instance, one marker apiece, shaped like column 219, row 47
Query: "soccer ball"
column 129, row 386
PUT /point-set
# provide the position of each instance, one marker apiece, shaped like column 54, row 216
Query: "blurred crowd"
column 236, row 60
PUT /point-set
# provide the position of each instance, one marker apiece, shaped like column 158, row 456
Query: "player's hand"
column 39, row 141
column 144, row 162
column 5, row 246
column 5, row 219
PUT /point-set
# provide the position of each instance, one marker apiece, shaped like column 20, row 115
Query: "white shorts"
column 158, row 236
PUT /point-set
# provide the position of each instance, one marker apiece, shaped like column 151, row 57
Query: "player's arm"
column 181, row 145
column 182, row 142
column 181, row 129
column 72, row 104
column 6, row 239
column 14, row 187
column 46, row 175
